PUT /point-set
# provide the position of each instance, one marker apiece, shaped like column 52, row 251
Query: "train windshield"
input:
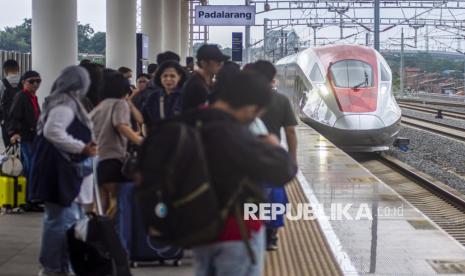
column 352, row 74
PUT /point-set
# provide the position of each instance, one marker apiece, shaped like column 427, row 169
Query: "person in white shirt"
column 65, row 142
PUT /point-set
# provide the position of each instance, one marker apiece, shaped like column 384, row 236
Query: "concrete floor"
column 20, row 243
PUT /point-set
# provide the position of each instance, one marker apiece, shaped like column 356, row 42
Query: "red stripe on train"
column 363, row 99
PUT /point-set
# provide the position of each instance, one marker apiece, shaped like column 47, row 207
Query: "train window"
column 384, row 74
column 352, row 73
column 316, row 75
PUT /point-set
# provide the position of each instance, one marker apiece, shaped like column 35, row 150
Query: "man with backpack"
column 192, row 192
column 9, row 87
column 279, row 114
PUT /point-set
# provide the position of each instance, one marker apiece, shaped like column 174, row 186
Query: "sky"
column 12, row 12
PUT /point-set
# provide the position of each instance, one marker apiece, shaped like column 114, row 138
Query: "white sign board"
column 225, row 15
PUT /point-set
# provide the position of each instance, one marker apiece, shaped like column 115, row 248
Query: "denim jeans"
column 26, row 154
column 230, row 258
column 54, row 249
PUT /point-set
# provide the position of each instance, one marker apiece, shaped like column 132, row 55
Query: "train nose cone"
column 360, row 122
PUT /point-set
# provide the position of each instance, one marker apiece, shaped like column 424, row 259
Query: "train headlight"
column 323, row 89
column 384, row 88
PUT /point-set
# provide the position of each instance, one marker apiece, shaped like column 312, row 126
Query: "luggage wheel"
column 18, row 210
column 177, row 263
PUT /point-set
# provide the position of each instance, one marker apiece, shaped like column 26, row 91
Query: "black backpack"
column 178, row 203
column 175, row 195
column 7, row 99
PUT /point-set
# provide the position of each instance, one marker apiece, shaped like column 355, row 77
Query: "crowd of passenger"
column 96, row 111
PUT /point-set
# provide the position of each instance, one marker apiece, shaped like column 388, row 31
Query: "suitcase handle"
column 96, row 189
column 15, row 192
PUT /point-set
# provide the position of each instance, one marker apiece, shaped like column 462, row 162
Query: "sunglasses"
column 38, row 81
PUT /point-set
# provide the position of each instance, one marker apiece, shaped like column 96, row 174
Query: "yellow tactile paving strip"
column 302, row 246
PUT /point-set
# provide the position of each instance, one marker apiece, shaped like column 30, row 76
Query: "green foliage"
column 426, row 62
column 97, row 43
column 85, row 33
column 18, row 38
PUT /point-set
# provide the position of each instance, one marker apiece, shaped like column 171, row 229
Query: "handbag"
column 83, row 168
column 11, row 165
column 130, row 163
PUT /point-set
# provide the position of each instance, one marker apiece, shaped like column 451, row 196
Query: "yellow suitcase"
column 12, row 192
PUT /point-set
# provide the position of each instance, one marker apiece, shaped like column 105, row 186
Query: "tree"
column 17, row 38
column 85, row 33
column 97, row 43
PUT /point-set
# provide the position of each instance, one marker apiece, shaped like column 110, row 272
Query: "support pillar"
column 121, row 34
column 152, row 25
column 184, row 31
column 247, row 39
column 172, row 25
column 377, row 23
column 54, row 40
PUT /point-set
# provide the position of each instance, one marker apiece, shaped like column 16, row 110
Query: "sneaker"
column 272, row 239
column 271, row 246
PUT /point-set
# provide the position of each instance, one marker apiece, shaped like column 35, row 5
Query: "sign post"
column 237, row 47
column 225, row 15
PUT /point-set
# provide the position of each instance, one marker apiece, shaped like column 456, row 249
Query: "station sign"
column 236, row 46
column 225, row 15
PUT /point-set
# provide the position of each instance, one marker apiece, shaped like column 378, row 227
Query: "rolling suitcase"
column 94, row 246
column 141, row 248
column 12, row 193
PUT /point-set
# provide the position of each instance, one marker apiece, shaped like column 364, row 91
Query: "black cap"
column 211, row 52
column 30, row 74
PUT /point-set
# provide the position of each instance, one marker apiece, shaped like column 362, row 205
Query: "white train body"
column 344, row 92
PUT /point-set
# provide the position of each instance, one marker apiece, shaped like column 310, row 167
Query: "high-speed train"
column 343, row 92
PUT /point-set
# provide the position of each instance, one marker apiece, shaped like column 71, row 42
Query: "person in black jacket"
column 165, row 103
column 23, row 116
column 198, row 88
column 9, row 87
column 233, row 153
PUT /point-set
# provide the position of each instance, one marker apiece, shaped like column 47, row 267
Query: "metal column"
column 247, row 39
column 401, row 73
column 377, row 21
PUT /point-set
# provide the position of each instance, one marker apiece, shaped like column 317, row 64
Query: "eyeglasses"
column 38, row 81
column 142, row 81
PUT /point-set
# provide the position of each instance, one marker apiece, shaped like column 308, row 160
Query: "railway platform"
column 363, row 227
column 396, row 240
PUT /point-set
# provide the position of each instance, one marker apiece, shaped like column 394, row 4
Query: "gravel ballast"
column 442, row 107
column 440, row 157
column 427, row 116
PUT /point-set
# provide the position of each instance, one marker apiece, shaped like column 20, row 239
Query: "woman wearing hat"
column 24, row 113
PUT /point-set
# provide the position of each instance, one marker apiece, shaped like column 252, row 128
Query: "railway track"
column 435, row 127
column 434, row 110
column 432, row 102
column 442, row 204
